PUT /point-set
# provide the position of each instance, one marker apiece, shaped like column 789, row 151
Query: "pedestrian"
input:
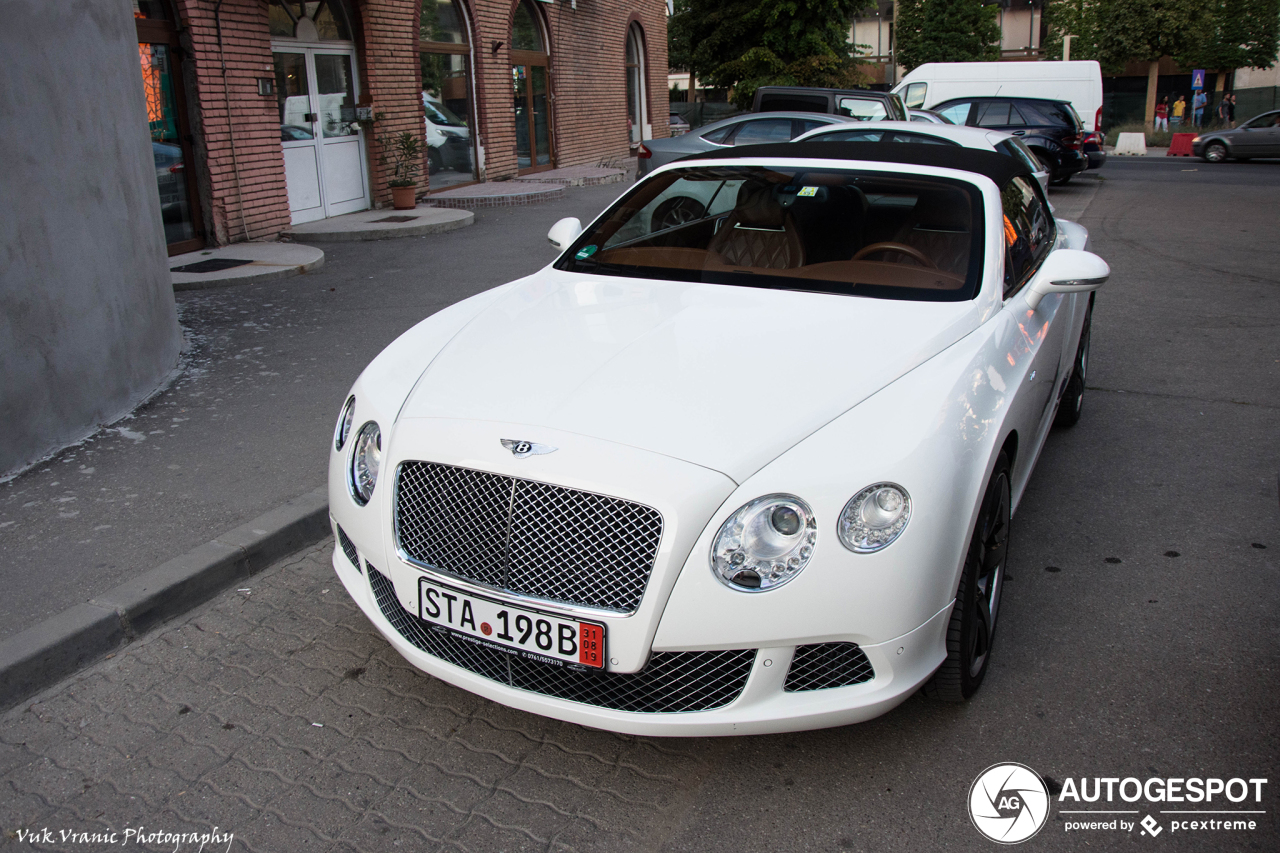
column 1162, row 114
column 1179, row 109
column 1231, row 110
column 1197, row 107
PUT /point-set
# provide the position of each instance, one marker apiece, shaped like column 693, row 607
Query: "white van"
column 1079, row 82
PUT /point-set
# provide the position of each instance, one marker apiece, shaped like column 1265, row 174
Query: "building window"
column 530, row 89
column 445, row 54
column 637, row 105
column 308, row 21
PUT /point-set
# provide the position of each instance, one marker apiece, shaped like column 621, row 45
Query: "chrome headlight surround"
column 366, row 459
column 764, row 544
column 874, row 518
column 343, row 430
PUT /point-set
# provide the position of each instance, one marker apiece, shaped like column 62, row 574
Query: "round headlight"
column 874, row 517
column 765, row 543
column 365, row 460
column 343, row 430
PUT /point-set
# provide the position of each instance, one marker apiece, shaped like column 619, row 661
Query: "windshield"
column 888, row 236
column 439, row 114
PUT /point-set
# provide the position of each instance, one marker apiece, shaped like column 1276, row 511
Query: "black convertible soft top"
column 998, row 167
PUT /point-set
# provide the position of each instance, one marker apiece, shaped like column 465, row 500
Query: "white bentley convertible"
column 745, row 469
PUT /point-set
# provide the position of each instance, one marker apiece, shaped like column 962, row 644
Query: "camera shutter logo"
column 1008, row 803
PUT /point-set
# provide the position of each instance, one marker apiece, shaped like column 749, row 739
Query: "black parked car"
column 860, row 104
column 1051, row 129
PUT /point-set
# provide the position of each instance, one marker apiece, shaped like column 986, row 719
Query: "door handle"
column 309, row 117
column 1019, row 133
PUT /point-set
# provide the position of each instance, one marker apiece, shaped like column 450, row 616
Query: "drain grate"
column 211, row 265
column 396, row 219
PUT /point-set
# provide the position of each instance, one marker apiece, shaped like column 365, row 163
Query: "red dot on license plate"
column 486, row 628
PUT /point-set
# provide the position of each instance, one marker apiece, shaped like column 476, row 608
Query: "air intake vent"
column 824, row 665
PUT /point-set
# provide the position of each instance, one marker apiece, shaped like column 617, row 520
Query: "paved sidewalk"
column 382, row 224
column 251, row 263
column 277, row 713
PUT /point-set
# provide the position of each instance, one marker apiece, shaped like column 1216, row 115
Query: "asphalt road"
column 1137, row 635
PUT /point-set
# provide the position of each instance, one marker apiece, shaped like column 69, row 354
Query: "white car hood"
column 721, row 376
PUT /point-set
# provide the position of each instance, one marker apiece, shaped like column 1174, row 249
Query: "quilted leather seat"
column 939, row 227
column 759, row 232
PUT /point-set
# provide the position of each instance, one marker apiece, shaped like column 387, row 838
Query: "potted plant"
column 404, row 152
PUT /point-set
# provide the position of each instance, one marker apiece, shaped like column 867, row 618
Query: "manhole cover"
column 397, row 219
column 211, row 265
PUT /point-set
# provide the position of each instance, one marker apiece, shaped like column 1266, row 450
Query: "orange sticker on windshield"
column 1010, row 235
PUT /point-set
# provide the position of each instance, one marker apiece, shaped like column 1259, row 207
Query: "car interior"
column 843, row 228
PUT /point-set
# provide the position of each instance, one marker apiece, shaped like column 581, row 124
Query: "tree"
column 1239, row 34
column 1077, row 18
column 946, row 31
column 745, row 44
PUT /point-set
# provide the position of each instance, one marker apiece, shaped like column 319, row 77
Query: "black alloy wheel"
column 676, row 211
column 1072, row 401
column 1215, row 152
column 971, row 630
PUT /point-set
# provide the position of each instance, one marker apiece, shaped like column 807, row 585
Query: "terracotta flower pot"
column 402, row 198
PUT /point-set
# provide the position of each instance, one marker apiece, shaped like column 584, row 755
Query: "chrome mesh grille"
column 348, row 547
column 527, row 537
column 671, row 682
column 823, row 665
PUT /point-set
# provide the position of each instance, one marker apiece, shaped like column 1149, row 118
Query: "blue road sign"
column 1197, row 79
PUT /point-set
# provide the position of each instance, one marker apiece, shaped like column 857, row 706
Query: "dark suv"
column 1049, row 128
column 861, row 104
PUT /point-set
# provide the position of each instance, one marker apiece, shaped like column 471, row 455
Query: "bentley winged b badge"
column 521, row 449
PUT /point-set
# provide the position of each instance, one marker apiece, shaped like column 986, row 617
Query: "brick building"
column 268, row 113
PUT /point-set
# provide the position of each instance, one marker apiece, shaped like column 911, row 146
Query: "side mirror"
column 1067, row 271
column 564, row 232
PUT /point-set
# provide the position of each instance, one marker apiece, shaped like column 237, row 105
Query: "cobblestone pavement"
column 278, row 713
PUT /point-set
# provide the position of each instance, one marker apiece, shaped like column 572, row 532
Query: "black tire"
column 1215, row 152
column 434, row 161
column 973, row 619
column 1072, row 401
column 1060, row 178
column 676, row 211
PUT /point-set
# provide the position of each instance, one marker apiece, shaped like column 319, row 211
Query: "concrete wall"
column 88, row 325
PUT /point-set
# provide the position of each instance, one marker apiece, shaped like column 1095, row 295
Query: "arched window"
column 445, row 52
column 530, row 90
column 323, row 21
column 637, row 105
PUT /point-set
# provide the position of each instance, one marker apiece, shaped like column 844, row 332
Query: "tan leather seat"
column 939, row 227
column 759, row 232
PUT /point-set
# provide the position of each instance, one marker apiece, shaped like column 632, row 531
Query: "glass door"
column 167, row 125
column 533, row 118
column 323, row 145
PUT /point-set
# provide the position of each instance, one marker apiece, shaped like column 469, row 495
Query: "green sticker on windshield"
column 807, row 192
column 586, row 252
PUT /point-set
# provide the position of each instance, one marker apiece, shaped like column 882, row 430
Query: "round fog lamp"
column 874, row 518
column 343, row 430
column 366, row 458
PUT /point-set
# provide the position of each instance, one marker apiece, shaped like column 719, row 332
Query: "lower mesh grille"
column 671, row 682
column 823, row 665
column 348, row 547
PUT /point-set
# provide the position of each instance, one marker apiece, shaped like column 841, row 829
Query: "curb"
column 357, row 234
column 232, row 281
column 76, row 637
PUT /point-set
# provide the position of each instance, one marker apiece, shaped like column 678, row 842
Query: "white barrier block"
column 1132, row 143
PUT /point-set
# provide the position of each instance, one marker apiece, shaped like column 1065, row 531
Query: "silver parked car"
column 745, row 129
column 1257, row 137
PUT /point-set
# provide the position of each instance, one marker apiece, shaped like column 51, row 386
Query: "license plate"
column 522, row 631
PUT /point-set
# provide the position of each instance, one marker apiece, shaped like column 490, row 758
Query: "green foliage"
column 404, row 152
column 1212, row 34
column 1072, row 17
column 1238, row 34
column 1145, row 30
column 946, row 31
column 749, row 43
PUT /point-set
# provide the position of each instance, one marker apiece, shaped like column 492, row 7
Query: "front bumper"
column 758, row 703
